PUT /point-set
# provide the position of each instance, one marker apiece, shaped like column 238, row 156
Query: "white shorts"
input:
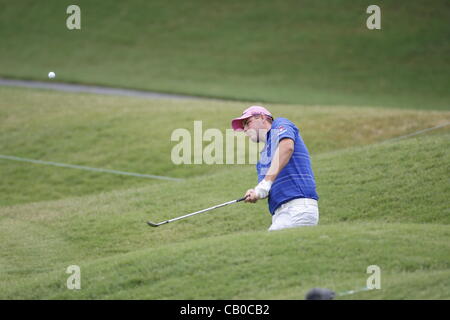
column 296, row 213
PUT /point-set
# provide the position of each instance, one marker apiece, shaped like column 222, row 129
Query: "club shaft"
column 204, row 210
column 197, row 212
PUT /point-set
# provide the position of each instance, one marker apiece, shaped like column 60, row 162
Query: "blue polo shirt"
column 296, row 180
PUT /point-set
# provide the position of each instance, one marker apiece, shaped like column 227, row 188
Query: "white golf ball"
column 51, row 75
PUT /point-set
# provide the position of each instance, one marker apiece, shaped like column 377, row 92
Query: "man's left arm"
column 280, row 159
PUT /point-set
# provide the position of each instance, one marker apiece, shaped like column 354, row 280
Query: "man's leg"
column 295, row 215
column 304, row 215
column 281, row 220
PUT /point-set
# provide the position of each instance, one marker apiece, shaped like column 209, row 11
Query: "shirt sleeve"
column 284, row 130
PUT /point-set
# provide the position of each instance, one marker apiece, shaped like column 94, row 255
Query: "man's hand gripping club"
column 261, row 191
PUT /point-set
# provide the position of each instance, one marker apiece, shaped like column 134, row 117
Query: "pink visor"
column 236, row 123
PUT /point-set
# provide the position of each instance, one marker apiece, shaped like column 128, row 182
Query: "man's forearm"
column 280, row 159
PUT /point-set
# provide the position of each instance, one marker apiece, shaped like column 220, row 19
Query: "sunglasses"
column 246, row 121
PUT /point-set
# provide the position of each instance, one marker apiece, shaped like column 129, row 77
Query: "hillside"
column 82, row 173
column 297, row 52
column 133, row 135
column 374, row 209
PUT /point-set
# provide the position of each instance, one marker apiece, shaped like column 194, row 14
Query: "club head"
column 152, row 224
column 320, row 294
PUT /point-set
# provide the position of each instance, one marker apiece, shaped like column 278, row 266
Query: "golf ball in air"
column 51, row 75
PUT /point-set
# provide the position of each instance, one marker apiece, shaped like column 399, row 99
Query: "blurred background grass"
column 308, row 52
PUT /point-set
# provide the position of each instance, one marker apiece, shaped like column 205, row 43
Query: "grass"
column 296, row 52
column 350, row 91
column 382, row 203
column 261, row 265
column 361, row 173
column 134, row 135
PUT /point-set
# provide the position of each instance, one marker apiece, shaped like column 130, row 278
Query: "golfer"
column 284, row 169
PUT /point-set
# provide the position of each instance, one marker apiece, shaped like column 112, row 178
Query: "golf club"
column 152, row 224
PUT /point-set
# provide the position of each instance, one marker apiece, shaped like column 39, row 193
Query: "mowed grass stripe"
column 65, row 165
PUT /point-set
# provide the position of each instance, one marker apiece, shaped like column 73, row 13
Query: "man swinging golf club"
column 284, row 170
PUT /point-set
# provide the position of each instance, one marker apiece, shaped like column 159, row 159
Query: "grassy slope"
column 134, row 135
column 374, row 210
column 305, row 52
column 381, row 204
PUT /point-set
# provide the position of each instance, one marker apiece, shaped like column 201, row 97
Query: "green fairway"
column 382, row 203
column 298, row 52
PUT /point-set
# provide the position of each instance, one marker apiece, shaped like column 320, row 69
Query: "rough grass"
column 382, row 204
column 261, row 265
